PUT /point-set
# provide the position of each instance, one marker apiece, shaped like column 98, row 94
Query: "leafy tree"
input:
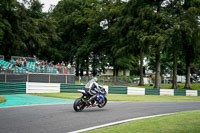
column 8, row 27
column 173, row 11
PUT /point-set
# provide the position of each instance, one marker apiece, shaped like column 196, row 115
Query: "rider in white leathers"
column 91, row 86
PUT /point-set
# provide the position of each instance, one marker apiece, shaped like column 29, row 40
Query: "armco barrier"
column 136, row 91
column 191, row 93
column 70, row 88
column 179, row 92
column 42, row 87
column 12, row 88
column 31, row 87
column 152, row 91
column 117, row 90
column 166, row 92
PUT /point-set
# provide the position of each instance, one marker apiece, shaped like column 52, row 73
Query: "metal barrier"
column 43, row 69
column 36, row 77
column 12, row 88
column 107, row 80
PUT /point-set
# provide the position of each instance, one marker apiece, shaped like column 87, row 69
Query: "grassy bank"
column 194, row 86
column 123, row 97
column 184, row 122
column 2, row 99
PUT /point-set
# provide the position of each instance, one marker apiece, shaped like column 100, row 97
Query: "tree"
column 173, row 11
column 8, row 27
column 190, row 34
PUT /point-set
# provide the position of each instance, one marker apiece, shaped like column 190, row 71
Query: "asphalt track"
column 61, row 118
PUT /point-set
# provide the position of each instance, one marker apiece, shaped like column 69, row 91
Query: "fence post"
column 49, row 78
column 66, row 79
column 27, row 77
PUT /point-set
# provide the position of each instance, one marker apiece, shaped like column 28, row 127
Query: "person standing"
column 58, row 67
column 25, row 62
column 69, row 68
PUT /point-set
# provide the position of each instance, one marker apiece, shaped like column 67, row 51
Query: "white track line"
column 118, row 122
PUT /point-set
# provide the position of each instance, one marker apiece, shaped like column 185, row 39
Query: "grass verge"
column 194, row 86
column 2, row 99
column 184, row 122
column 124, row 97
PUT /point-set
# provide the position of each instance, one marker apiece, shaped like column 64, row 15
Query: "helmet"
column 95, row 80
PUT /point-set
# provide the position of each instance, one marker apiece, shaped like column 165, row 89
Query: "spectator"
column 17, row 63
column 69, row 68
column 25, row 62
column 37, row 62
column 42, row 66
column 50, row 66
column 45, row 66
column 58, row 67
column 1, row 68
column 20, row 62
column 9, row 68
column 36, row 67
column 62, row 67
column 62, row 64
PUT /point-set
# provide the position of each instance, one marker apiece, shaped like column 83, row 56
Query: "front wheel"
column 79, row 105
column 103, row 103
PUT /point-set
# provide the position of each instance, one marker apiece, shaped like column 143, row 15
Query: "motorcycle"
column 100, row 100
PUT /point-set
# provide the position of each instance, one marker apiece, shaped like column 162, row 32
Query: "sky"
column 47, row 4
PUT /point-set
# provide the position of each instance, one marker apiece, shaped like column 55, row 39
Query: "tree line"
column 97, row 34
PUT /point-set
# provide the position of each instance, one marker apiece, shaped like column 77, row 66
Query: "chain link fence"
column 108, row 80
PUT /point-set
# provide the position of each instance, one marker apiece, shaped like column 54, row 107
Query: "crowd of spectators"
column 19, row 62
column 62, row 68
column 40, row 66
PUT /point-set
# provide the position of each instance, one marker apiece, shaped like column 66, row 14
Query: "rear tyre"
column 79, row 105
column 103, row 103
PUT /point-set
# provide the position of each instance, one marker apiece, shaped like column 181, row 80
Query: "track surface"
column 62, row 118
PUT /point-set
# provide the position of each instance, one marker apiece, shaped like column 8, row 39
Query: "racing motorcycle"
column 100, row 100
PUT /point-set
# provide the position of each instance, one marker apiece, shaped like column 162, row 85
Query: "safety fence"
column 34, row 77
column 35, row 87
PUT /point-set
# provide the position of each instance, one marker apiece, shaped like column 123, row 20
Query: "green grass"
column 194, row 86
column 184, row 122
column 124, row 97
column 2, row 99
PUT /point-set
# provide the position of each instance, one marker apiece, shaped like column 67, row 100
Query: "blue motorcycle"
column 99, row 99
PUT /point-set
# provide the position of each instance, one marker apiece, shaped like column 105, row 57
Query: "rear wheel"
column 103, row 103
column 79, row 105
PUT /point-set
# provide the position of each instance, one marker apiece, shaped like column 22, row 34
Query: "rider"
column 91, row 86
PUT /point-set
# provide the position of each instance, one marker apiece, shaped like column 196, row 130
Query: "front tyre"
column 79, row 105
column 103, row 103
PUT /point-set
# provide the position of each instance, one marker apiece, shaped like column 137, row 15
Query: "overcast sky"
column 47, row 4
